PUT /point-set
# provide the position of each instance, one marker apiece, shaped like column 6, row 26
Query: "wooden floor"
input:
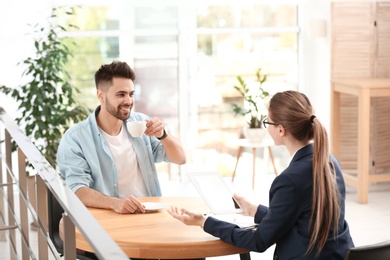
column 369, row 223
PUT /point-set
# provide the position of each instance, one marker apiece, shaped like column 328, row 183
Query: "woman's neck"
column 293, row 145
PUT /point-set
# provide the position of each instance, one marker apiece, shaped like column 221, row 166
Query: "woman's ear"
column 282, row 130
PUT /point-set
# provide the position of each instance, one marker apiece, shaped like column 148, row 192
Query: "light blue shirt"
column 85, row 160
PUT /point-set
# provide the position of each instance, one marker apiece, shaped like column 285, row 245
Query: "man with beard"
column 99, row 159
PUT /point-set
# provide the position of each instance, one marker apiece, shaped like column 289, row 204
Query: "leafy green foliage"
column 254, row 99
column 46, row 101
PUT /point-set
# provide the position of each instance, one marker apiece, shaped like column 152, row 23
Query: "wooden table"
column 364, row 89
column 242, row 143
column 158, row 235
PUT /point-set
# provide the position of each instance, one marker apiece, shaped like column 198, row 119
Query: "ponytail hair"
column 294, row 112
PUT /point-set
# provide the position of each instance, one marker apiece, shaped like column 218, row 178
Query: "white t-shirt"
column 130, row 180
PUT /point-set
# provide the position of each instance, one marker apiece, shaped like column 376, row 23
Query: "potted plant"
column 46, row 101
column 253, row 109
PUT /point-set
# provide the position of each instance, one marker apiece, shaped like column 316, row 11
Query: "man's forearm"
column 174, row 150
column 95, row 199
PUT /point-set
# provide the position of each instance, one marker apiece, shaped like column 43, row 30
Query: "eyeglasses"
column 265, row 123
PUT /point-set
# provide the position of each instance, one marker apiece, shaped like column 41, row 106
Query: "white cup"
column 136, row 128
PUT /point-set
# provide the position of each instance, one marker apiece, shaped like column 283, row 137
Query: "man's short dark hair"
column 116, row 69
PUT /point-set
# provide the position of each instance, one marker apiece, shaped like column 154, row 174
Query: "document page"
column 215, row 192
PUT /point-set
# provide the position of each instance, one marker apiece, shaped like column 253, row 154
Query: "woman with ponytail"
column 305, row 216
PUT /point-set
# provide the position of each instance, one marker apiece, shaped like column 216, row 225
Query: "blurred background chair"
column 379, row 251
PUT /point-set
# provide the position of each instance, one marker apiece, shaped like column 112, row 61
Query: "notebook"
column 219, row 198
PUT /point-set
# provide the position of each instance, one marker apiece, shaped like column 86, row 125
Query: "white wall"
column 314, row 58
column 15, row 45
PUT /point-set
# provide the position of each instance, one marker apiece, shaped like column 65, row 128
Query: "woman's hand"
column 249, row 207
column 187, row 217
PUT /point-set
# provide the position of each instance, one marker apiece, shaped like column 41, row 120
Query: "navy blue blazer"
column 285, row 222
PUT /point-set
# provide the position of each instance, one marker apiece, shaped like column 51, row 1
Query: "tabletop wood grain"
column 158, row 235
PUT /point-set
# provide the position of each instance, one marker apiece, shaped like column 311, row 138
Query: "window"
column 186, row 59
column 236, row 40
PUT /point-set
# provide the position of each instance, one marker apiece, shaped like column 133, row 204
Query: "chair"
column 55, row 214
column 379, row 251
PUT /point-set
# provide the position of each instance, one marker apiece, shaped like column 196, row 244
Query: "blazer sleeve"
column 281, row 216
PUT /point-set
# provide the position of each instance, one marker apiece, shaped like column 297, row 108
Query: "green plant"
column 254, row 98
column 46, row 101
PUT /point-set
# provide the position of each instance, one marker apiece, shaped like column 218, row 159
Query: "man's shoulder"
column 80, row 127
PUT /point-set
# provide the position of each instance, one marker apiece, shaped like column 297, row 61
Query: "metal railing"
column 32, row 194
